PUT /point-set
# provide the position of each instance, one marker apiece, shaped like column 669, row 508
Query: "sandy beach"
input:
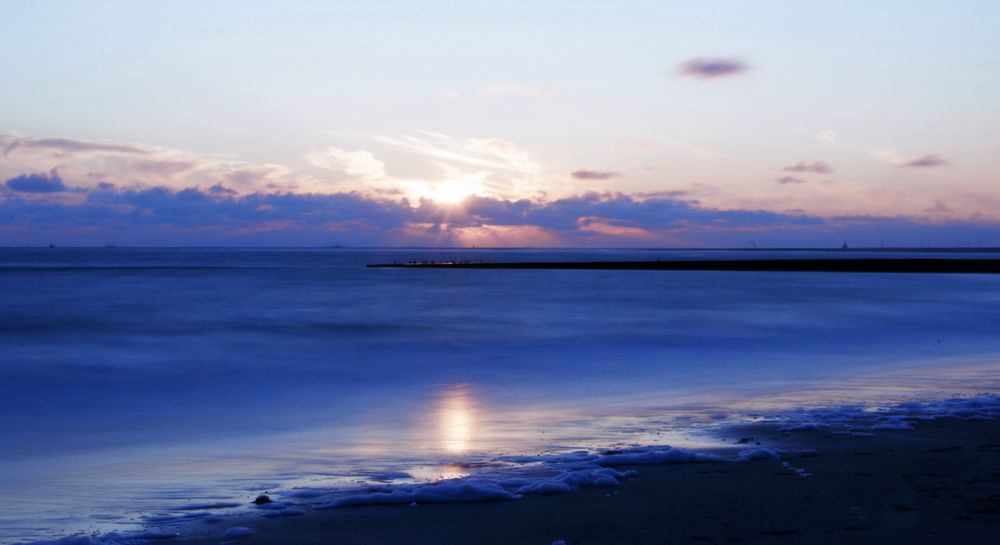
column 940, row 481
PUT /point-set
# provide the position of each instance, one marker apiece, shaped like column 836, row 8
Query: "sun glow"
column 451, row 191
column 456, row 419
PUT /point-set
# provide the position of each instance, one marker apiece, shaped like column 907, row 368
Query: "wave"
column 566, row 472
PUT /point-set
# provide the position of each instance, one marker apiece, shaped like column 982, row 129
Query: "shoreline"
column 918, row 471
column 939, row 480
column 868, row 411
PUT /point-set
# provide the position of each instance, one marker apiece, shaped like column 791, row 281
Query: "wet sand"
column 940, row 481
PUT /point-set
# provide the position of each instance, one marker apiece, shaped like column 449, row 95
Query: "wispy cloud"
column 161, row 167
column 712, row 67
column 88, row 163
column 828, row 136
column 491, row 166
column 357, row 164
column 926, row 161
column 593, row 174
column 492, row 153
column 66, row 146
column 785, row 180
column 894, row 157
column 818, row 167
column 501, row 167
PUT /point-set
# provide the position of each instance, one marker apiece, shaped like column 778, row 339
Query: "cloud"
column 712, row 68
column 613, row 228
column 490, row 166
column 818, row 167
column 161, row 215
column 109, row 214
column 828, row 136
column 505, row 170
column 925, row 162
column 66, row 146
column 89, row 163
column 356, row 164
column 37, row 183
column 785, row 180
column 169, row 196
column 593, row 174
column 895, row 158
column 492, row 153
column 161, row 168
column 939, row 207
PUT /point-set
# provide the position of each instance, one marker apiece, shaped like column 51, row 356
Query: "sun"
column 452, row 191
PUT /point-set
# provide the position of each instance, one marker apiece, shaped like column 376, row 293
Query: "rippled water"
column 140, row 381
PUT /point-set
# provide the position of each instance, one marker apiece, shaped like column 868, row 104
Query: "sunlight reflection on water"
column 456, row 417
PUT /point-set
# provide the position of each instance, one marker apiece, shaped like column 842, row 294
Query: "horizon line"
column 516, row 248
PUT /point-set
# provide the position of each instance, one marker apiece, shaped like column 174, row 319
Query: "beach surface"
column 937, row 482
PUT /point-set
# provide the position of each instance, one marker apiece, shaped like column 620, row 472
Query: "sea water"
column 137, row 382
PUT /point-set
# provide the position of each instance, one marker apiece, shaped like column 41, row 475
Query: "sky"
column 550, row 123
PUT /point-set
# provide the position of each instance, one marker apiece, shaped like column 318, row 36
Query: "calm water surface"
column 142, row 381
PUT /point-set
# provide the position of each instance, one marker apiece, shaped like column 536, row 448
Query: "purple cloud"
column 69, row 145
column 927, row 161
column 593, row 174
column 939, row 207
column 818, row 167
column 785, row 180
column 711, row 68
column 216, row 216
column 37, row 183
column 108, row 214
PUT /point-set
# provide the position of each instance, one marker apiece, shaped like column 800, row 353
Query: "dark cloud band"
column 711, row 68
column 36, row 183
column 216, row 215
column 927, row 161
column 593, row 174
column 816, row 167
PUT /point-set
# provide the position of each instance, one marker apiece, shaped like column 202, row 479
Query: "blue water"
column 138, row 381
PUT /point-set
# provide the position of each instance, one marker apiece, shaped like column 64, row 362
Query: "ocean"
column 139, row 383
